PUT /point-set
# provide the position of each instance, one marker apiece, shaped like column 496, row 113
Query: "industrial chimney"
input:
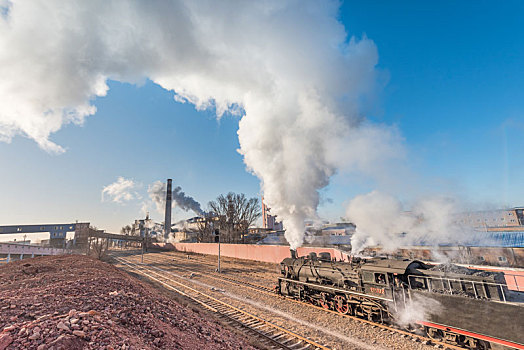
column 167, row 221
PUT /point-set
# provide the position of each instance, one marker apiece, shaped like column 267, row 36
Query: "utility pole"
column 143, row 242
column 217, row 240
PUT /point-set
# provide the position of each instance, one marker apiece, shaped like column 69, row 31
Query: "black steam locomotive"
column 465, row 307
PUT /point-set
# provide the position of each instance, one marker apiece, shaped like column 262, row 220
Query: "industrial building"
column 57, row 232
column 269, row 221
column 499, row 218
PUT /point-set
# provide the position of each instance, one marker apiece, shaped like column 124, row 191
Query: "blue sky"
column 453, row 87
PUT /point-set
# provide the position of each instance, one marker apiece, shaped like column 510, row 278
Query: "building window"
column 502, row 259
column 481, row 258
column 19, row 229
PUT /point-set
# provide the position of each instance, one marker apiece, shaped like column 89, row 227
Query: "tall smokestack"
column 167, row 221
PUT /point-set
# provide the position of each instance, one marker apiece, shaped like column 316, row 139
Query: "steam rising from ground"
column 381, row 219
column 120, row 191
column 288, row 68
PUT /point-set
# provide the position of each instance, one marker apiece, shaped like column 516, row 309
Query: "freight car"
column 468, row 308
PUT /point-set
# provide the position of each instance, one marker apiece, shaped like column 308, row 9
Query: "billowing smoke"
column 381, row 219
column 157, row 194
column 287, row 68
column 185, row 202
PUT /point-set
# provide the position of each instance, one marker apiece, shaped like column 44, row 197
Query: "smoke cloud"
column 185, row 202
column 157, row 193
column 381, row 219
column 120, row 191
column 287, row 69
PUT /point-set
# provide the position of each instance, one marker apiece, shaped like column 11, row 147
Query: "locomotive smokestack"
column 167, row 221
column 293, row 253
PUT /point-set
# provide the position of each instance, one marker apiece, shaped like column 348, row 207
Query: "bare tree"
column 234, row 213
column 126, row 230
column 205, row 227
column 99, row 248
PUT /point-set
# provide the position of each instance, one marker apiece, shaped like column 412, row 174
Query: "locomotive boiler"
column 465, row 307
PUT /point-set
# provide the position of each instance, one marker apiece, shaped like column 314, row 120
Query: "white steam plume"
column 157, row 194
column 288, row 68
column 381, row 219
column 417, row 308
column 120, row 191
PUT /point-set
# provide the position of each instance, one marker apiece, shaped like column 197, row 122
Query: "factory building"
column 512, row 217
column 270, row 221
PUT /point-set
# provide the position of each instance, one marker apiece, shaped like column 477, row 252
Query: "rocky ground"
column 75, row 302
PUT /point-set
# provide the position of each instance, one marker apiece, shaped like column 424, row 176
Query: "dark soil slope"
column 75, row 302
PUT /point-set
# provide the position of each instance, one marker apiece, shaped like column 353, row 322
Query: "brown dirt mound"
column 75, row 302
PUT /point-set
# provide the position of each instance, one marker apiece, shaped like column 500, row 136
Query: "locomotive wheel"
column 341, row 304
column 483, row 345
column 324, row 302
column 435, row 334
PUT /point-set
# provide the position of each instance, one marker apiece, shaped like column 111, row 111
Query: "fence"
column 13, row 250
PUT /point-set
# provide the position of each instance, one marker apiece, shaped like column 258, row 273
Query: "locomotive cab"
column 381, row 277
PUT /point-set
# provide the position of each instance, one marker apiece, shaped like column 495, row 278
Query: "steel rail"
column 222, row 277
column 276, row 334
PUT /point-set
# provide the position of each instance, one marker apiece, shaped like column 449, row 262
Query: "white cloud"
column 120, row 191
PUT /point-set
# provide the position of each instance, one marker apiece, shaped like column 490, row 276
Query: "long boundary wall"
column 265, row 253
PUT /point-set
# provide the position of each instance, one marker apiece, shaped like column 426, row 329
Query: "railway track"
column 269, row 291
column 269, row 333
column 225, row 278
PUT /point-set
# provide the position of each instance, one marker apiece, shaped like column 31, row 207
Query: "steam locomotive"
column 464, row 307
